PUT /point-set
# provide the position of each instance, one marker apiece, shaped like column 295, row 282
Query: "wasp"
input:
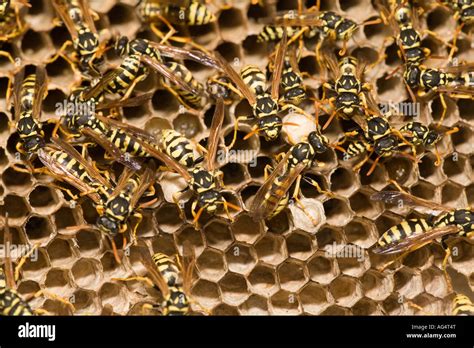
column 462, row 305
column 464, row 15
column 411, row 235
column 376, row 135
column 326, row 24
column 11, row 21
column 11, row 302
column 347, row 85
column 418, row 134
column 28, row 94
column 172, row 278
column 265, row 105
column 177, row 12
column 204, row 179
column 123, row 201
column 78, row 19
column 220, row 86
column 273, row 196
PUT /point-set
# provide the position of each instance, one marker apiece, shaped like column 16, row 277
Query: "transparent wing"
column 279, row 61
column 7, row 242
column 153, row 272
column 40, row 90
column 146, row 179
column 188, row 262
column 395, row 197
column 182, row 53
column 235, row 78
column 129, row 102
column 18, row 81
column 214, row 133
column 61, row 9
column 87, row 13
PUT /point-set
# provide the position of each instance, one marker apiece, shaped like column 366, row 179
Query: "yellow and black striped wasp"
column 265, row 105
column 411, row 235
column 462, row 305
column 347, row 86
column 11, row 21
column 11, row 303
column 28, row 94
column 205, row 180
column 78, row 19
column 375, row 136
column 172, row 278
column 122, row 203
column 174, row 12
column 220, row 86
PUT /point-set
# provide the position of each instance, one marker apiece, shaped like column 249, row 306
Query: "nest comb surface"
column 276, row 267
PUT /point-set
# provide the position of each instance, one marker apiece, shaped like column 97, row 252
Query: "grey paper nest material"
column 283, row 266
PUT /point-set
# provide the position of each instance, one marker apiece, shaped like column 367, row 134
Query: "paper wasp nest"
column 276, row 267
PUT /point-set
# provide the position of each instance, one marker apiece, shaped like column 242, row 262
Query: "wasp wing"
column 7, row 242
column 62, row 10
column 182, row 53
column 278, row 69
column 214, row 133
column 153, row 273
column 397, row 197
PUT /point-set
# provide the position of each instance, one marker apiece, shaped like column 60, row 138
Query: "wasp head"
column 121, row 46
column 270, row 126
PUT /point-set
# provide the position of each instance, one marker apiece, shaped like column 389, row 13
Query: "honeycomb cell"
column 452, row 194
column 218, row 235
column 285, row 303
column 241, row 258
column 408, row 282
column 366, row 307
column 434, row 282
column 206, row 293
column 16, row 207
column 86, row 302
column 61, row 252
column 362, row 205
column 225, row 309
column 234, row 289
column 271, row 249
column 328, row 236
column 338, row 212
column 263, row 280
column 401, row 170
column 44, row 200
column 86, row 273
column 343, row 182
column 114, row 295
column 16, row 181
column 190, row 235
column 35, row 45
column 245, row 230
column 167, row 217
column 299, row 245
column 211, row 265
column 187, row 124
column 456, row 168
column 292, row 275
column 376, row 285
column 89, row 242
column 66, row 217
column 322, row 269
column 346, row 291
column 231, row 21
column 164, row 109
column 466, row 110
column 234, row 174
column 36, row 265
column 123, row 19
column 361, row 232
column 254, row 305
column 39, row 229
column 336, row 310
column 58, row 282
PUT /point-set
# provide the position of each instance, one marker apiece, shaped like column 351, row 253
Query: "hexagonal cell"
column 338, row 212
column 241, row 258
column 254, row 305
column 299, row 245
column 87, row 273
column 361, row 232
column 58, row 282
column 376, row 285
column 429, row 304
column 234, row 289
column 314, row 298
column 170, row 107
column 328, row 236
column 190, row 235
column 114, row 295
column 225, row 309
column 61, row 252
column 429, row 171
column 271, row 249
column 452, row 195
column 393, row 304
column 245, row 229
column 462, row 255
column 231, row 22
column 285, row 303
column 218, row 235
column 39, row 229
column 322, row 269
column 16, row 207
column 188, row 125
column 401, row 170
column 35, row 265
column 167, row 217
column 234, row 174
column 64, row 218
column 89, row 242
column 362, row 205
column 35, row 45
column 44, row 200
column 343, row 181
column 206, row 293
column 292, row 275
column 408, row 282
column 211, row 265
column 366, row 307
column 86, row 302
column 434, row 282
column 346, row 291
column 232, row 53
column 263, row 280
column 456, row 168
column 356, row 262
column 280, row 224
column 16, row 181
column 336, row 310
column 110, row 267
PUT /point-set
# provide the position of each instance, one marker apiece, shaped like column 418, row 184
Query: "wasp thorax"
column 265, row 106
column 108, row 225
column 318, row 142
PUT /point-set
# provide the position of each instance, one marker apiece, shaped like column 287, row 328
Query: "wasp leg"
column 315, row 184
column 8, row 56
column 132, row 86
column 54, row 297
column 295, row 195
column 180, row 99
column 236, row 128
column 455, row 40
column 23, row 261
column 137, row 278
column 134, row 233
column 197, row 215
column 445, row 108
column 178, row 204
